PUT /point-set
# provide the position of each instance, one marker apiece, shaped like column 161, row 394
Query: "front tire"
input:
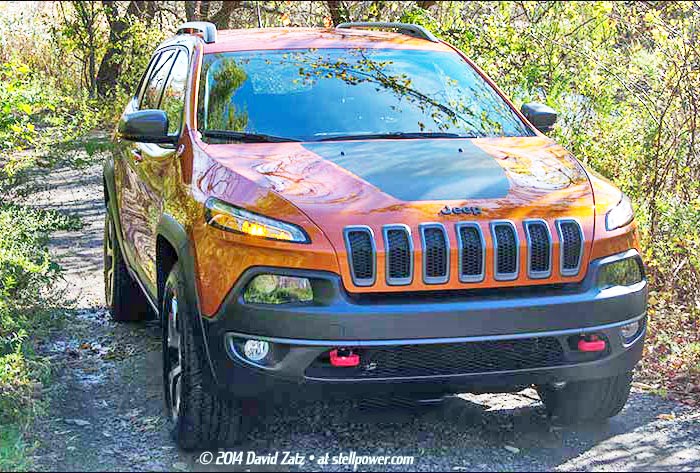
column 587, row 401
column 200, row 419
column 123, row 297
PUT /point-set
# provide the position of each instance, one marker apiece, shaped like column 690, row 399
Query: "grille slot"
column 359, row 243
column 448, row 359
column 539, row 244
column 399, row 255
column 506, row 251
column 471, row 252
column 436, row 259
column 571, row 246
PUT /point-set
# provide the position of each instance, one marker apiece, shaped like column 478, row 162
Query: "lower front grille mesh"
column 447, row 359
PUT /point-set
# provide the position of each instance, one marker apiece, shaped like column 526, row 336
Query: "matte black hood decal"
column 413, row 170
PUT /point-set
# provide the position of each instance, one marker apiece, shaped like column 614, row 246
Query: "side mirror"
column 145, row 126
column 540, row 115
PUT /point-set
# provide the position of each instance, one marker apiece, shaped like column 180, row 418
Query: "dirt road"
column 106, row 410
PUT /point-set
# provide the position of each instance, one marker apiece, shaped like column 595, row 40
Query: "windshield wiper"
column 245, row 137
column 393, row 136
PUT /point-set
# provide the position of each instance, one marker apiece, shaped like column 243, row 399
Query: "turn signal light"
column 228, row 217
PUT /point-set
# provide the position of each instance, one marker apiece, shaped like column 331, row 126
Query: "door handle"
column 136, row 154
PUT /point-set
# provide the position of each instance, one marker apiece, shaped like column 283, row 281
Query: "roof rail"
column 208, row 30
column 417, row 31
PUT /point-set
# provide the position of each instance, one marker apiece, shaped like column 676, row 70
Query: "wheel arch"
column 173, row 245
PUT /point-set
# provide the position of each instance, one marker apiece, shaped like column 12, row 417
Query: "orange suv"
column 355, row 212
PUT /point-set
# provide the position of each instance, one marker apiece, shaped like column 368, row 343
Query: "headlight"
column 233, row 219
column 620, row 215
column 274, row 289
column 624, row 272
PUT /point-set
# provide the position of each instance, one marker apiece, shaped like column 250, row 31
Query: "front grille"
column 360, row 248
column 571, row 246
column 539, row 249
column 435, row 254
column 399, row 255
column 506, row 250
column 471, row 256
column 471, row 248
column 447, row 359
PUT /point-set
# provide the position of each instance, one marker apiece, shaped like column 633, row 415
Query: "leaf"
column 511, row 449
column 78, row 422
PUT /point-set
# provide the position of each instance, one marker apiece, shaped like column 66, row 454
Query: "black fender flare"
column 112, row 207
column 110, row 196
column 175, row 234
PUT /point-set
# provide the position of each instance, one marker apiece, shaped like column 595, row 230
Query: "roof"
column 302, row 38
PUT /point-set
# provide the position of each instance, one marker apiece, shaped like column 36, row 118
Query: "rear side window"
column 173, row 100
column 154, row 87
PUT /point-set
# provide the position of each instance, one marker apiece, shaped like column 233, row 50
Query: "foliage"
column 18, row 97
column 26, row 274
column 12, row 450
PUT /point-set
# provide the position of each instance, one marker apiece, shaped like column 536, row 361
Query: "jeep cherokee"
column 360, row 211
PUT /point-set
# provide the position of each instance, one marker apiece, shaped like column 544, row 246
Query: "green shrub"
column 26, row 275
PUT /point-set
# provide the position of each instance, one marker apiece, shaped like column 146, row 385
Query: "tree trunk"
column 110, row 66
column 191, row 11
column 339, row 13
column 222, row 18
column 201, row 11
column 426, row 4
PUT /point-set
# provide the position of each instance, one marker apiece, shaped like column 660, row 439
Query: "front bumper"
column 301, row 333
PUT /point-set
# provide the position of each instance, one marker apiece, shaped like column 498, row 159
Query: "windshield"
column 321, row 94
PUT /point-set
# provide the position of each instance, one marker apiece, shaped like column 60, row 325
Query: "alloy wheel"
column 109, row 261
column 174, row 359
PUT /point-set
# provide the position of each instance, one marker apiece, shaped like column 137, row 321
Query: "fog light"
column 624, row 272
column 256, row 350
column 276, row 289
column 630, row 330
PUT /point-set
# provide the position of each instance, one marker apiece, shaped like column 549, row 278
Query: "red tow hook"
column 591, row 343
column 344, row 357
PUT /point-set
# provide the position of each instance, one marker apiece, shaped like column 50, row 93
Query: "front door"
column 145, row 165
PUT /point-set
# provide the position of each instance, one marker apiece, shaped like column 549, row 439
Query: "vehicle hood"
column 410, row 181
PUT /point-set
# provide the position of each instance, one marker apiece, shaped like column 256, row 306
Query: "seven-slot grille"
column 435, row 248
